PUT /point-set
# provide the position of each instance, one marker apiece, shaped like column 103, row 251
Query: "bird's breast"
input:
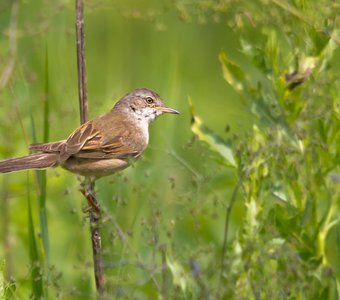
column 141, row 134
column 95, row 167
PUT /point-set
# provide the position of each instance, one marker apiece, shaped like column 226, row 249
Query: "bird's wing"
column 52, row 147
column 90, row 142
column 80, row 137
column 72, row 145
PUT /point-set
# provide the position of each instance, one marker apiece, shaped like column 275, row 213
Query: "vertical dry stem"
column 88, row 189
column 81, row 60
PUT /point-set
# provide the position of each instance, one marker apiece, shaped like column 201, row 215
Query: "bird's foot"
column 91, row 200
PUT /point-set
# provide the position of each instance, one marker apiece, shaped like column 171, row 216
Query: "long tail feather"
column 34, row 161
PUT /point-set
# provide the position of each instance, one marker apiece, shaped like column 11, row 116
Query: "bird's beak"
column 166, row 109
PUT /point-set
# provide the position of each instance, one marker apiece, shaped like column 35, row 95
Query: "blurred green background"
column 174, row 198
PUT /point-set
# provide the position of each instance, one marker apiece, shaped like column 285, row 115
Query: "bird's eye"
column 149, row 100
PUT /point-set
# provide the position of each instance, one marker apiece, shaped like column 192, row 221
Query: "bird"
column 102, row 146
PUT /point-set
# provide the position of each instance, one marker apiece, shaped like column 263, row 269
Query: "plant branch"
column 88, row 188
column 227, row 221
column 82, row 89
column 8, row 69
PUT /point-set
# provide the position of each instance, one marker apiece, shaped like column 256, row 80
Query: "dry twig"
column 88, row 189
column 8, row 69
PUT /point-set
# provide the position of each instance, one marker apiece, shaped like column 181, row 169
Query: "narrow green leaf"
column 232, row 72
column 36, row 272
column 272, row 49
column 209, row 137
column 46, row 124
column 328, row 50
column 42, row 175
column 41, row 194
column 179, row 275
column 332, row 248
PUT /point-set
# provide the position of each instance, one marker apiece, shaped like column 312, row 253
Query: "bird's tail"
column 33, row 161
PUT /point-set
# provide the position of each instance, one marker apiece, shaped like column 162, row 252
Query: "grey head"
column 144, row 105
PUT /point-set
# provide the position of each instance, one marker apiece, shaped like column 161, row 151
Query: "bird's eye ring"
column 149, row 100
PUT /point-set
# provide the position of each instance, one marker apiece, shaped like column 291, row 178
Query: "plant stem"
column 227, row 222
column 80, row 40
column 88, row 190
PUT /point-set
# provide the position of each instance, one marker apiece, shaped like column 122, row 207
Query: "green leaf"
column 179, row 275
column 36, row 271
column 328, row 50
column 232, row 72
column 7, row 288
column 272, row 49
column 333, row 249
column 215, row 142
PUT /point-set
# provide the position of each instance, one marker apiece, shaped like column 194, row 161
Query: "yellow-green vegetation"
column 237, row 198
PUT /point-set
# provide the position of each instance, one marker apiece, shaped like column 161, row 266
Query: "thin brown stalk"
column 88, row 189
column 9, row 67
column 80, row 39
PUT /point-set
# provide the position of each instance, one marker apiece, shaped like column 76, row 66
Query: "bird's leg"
column 91, row 200
column 87, row 189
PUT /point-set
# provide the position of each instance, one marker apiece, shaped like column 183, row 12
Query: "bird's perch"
column 88, row 190
column 82, row 88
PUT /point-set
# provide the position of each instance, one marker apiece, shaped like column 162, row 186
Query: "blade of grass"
column 41, row 174
column 8, row 286
column 36, row 273
column 41, row 199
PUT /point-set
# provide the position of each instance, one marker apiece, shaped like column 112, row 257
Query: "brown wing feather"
column 94, row 139
column 80, row 137
column 116, row 148
column 91, row 142
column 52, row 147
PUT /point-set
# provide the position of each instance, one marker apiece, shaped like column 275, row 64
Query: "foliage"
column 243, row 211
column 288, row 165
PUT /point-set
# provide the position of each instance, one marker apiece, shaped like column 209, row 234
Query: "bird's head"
column 144, row 104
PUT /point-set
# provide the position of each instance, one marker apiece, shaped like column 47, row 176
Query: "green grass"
column 163, row 227
column 36, row 269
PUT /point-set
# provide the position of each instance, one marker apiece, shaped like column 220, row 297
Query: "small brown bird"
column 101, row 146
